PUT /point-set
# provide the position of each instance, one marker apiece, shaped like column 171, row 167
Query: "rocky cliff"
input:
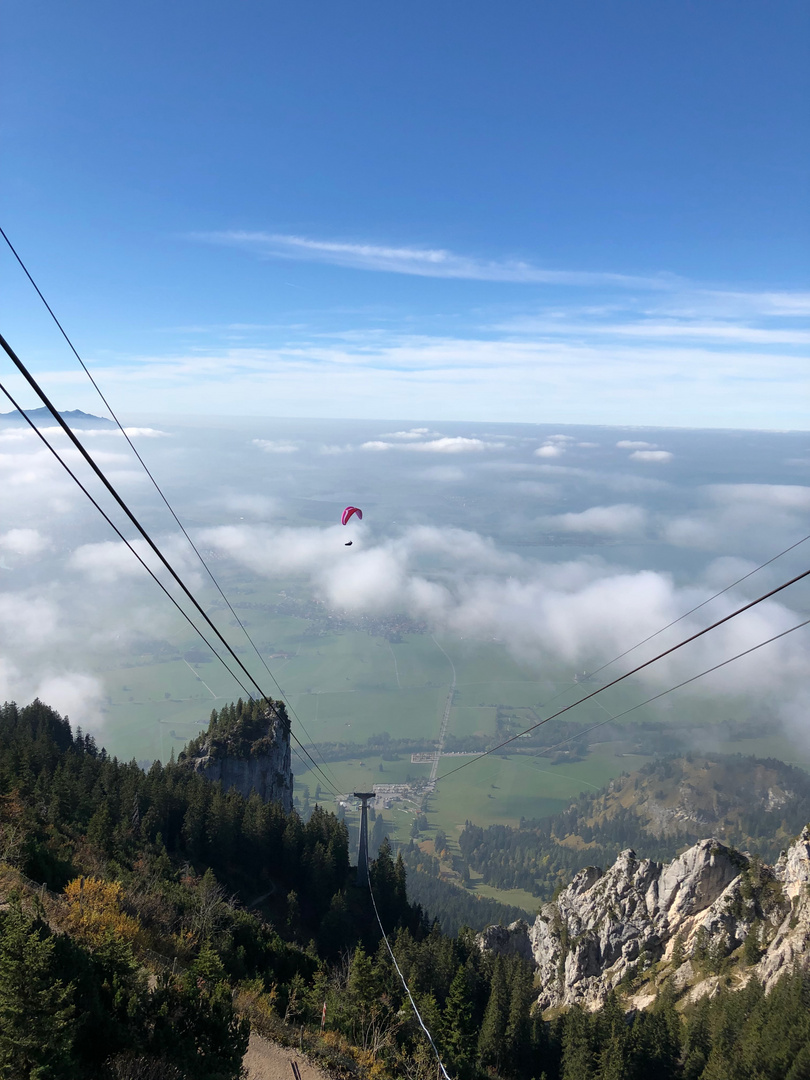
column 710, row 914
column 247, row 747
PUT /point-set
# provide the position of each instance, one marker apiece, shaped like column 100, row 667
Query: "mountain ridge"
column 711, row 914
column 72, row 417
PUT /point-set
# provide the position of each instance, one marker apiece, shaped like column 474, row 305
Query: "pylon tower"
column 362, row 851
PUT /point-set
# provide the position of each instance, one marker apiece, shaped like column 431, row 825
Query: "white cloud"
column 111, row 561
column 455, row 445
column 76, row 696
column 449, row 445
column 276, row 447
column 651, row 455
column 27, row 621
column 781, row 496
column 581, row 612
column 422, row 262
column 631, row 444
column 23, row 542
column 412, row 433
column 760, row 518
column 550, row 450
column 110, row 433
column 146, row 433
column 617, row 520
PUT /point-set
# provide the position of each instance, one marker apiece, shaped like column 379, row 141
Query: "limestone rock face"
column 793, row 867
column 263, row 767
column 605, row 927
column 508, row 940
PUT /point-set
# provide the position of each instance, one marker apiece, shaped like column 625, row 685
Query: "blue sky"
column 545, row 212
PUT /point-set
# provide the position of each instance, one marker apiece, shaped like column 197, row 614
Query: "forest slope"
column 751, row 804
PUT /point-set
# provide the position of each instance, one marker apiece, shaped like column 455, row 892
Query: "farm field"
column 519, row 897
column 357, row 774
column 349, row 680
column 502, row 790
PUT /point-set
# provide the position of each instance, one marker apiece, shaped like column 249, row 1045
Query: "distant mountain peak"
column 72, row 417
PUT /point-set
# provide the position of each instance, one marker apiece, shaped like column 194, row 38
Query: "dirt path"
column 268, row 1061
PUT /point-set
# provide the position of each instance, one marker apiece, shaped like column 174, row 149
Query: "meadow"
column 349, row 684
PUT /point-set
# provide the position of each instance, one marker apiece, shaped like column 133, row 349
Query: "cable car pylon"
column 362, row 850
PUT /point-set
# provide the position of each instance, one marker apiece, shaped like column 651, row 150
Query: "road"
column 445, row 720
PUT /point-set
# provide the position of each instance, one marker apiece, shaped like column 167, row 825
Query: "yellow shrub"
column 94, row 911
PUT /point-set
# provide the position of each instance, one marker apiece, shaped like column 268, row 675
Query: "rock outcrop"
column 249, row 752
column 678, row 920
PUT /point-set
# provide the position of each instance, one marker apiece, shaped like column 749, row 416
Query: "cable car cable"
column 146, row 567
column 633, row 671
column 677, row 686
column 422, row 1023
column 160, row 492
column 60, row 420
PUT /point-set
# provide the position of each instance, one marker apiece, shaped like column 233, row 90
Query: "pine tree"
column 578, row 1049
column 35, row 1009
column 518, row 1026
column 493, row 1029
column 458, row 1030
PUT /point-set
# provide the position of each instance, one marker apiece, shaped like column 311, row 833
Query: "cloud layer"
column 563, row 547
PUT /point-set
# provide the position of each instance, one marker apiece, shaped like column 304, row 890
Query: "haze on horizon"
column 538, row 273
column 563, row 547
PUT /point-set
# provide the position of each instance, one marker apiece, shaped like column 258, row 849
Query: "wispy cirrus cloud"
column 718, row 333
column 419, row 261
column 687, row 310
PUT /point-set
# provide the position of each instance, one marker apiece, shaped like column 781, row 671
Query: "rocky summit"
column 711, row 913
column 247, row 748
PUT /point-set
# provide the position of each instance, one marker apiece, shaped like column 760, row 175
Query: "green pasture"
column 420, row 662
column 471, row 720
column 331, row 662
column 769, row 747
column 152, row 709
column 357, row 774
column 519, row 897
column 354, row 715
column 501, row 790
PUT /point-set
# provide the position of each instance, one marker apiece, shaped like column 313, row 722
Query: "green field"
column 358, row 774
column 501, row 790
column 348, row 680
column 519, row 897
column 470, row 720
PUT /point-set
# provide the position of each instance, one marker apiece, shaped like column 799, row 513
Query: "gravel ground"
column 265, row 1060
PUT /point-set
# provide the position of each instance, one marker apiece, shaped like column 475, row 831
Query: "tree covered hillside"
column 149, row 919
column 659, row 810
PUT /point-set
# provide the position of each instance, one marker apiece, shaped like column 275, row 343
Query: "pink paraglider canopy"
column 347, row 513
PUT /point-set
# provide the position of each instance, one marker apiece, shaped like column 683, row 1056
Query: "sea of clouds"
column 561, row 545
